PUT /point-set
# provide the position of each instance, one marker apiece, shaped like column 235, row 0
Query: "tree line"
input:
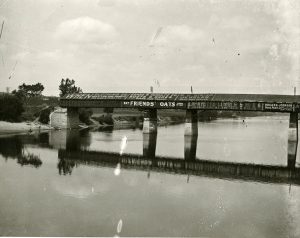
column 12, row 105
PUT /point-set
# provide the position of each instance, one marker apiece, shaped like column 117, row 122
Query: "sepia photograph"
column 149, row 118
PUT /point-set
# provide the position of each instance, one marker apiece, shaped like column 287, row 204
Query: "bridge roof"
column 184, row 97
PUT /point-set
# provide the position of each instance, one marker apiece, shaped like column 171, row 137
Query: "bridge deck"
column 238, row 102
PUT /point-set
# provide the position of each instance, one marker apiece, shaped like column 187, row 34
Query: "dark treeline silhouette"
column 29, row 90
column 11, row 108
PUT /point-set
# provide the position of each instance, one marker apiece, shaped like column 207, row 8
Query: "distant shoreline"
column 11, row 128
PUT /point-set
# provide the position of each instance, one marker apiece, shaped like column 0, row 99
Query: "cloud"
column 237, row 23
column 3, row 47
column 20, row 55
column 85, row 30
column 2, row 18
column 288, row 18
column 273, row 51
column 178, row 35
column 107, row 3
column 55, row 54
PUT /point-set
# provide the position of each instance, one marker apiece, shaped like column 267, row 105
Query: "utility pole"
column 295, row 88
column 151, row 89
column 191, row 89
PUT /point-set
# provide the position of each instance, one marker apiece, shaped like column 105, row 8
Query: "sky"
column 215, row 46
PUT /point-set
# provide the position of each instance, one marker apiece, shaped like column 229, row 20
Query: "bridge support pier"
column 150, row 121
column 72, row 118
column 149, row 144
column 191, row 123
column 292, row 139
column 190, row 147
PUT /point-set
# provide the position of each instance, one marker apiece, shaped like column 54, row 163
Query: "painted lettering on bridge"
column 178, row 105
column 279, row 107
column 214, row 105
column 151, row 104
column 167, row 104
column 138, row 104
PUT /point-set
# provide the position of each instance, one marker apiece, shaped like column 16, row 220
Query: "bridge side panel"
column 196, row 104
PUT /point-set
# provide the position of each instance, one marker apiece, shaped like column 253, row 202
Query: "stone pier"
column 150, row 121
column 292, row 139
column 72, row 118
column 191, row 123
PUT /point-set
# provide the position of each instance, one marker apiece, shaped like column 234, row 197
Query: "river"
column 45, row 195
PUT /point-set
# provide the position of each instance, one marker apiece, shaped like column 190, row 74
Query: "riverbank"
column 21, row 127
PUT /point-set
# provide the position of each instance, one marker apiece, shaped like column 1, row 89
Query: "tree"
column 67, row 86
column 11, row 108
column 37, row 89
column 19, row 94
column 29, row 90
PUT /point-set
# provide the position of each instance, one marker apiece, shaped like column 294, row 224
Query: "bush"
column 11, row 108
column 104, row 119
column 84, row 115
column 107, row 119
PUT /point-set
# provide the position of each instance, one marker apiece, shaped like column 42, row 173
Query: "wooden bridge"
column 192, row 103
column 232, row 102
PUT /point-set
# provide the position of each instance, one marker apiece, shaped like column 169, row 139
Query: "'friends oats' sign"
column 154, row 104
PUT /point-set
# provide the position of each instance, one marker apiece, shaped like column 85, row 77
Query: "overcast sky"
column 129, row 45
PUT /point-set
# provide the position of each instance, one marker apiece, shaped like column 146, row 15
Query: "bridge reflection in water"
column 75, row 154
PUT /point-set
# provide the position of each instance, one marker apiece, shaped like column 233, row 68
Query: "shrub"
column 84, row 115
column 107, row 119
column 104, row 119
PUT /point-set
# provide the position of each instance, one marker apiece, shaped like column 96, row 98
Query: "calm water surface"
column 43, row 195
